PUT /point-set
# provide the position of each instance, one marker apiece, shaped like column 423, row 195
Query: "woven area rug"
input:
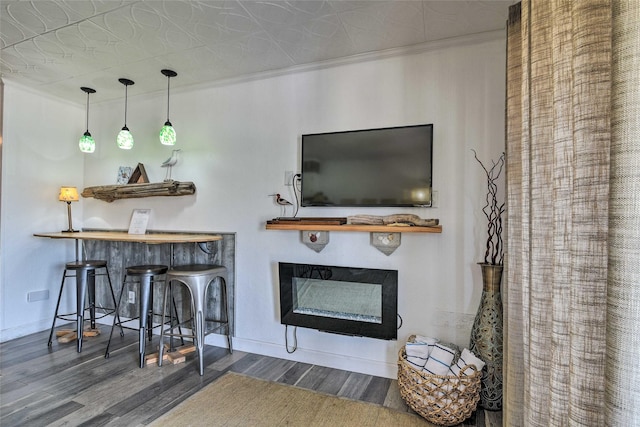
column 237, row 400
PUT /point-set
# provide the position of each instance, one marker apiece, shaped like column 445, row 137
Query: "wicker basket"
column 444, row 400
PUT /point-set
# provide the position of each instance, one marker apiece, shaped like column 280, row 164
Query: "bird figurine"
column 169, row 163
column 282, row 202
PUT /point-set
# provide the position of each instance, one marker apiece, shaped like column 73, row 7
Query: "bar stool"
column 85, row 275
column 146, row 277
column 197, row 278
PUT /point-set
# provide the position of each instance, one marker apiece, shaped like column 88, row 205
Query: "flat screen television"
column 370, row 167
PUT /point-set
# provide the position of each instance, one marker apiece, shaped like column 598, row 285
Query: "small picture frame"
column 124, row 174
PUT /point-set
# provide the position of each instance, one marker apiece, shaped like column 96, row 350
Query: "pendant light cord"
column 87, row 111
column 126, row 90
column 168, row 87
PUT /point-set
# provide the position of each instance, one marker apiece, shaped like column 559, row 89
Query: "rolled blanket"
column 439, row 362
column 431, row 342
column 466, row 358
column 417, row 354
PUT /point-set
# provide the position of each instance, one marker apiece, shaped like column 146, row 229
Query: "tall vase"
column 486, row 337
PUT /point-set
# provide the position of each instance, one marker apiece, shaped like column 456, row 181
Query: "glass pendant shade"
column 87, row 144
column 168, row 133
column 125, row 139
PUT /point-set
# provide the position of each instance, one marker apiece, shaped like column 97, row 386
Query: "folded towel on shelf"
column 439, row 361
column 466, row 358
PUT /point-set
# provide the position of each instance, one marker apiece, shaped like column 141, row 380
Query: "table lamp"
column 69, row 194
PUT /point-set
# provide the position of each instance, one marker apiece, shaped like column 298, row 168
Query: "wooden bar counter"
column 121, row 249
column 123, row 236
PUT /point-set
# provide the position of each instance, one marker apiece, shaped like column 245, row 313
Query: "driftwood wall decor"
column 109, row 193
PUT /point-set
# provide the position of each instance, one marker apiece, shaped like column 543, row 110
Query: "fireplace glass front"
column 344, row 300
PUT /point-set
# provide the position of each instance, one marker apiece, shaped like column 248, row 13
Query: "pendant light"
column 125, row 139
column 168, row 133
column 87, row 143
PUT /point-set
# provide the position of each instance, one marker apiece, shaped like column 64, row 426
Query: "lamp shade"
column 125, row 139
column 87, row 144
column 168, row 134
column 68, row 194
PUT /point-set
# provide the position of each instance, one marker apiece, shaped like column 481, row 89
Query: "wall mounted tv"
column 371, row 167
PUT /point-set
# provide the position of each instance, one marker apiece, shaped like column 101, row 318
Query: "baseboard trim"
column 314, row 357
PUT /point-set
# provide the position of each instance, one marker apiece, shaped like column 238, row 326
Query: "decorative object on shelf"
column 169, row 163
column 281, row 202
column 109, row 193
column 125, row 139
column 139, row 175
column 487, row 330
column 386, row 243
column 392, row 220
column 315, row 240
column 124, row 173
column 139, row 221
column 168, row 133
column 87, row 144
column 69, row 194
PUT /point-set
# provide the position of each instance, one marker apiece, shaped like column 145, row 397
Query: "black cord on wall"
column 286, row 339
column 295, row 181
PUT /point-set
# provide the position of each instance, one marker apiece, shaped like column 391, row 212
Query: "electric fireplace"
column 342, row 300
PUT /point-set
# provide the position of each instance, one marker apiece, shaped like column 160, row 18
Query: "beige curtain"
column 572, row 267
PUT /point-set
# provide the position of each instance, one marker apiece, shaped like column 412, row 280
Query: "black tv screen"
column 373, row 167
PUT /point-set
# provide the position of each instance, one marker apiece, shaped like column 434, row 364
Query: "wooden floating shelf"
column 109, row 193
column 356, row 227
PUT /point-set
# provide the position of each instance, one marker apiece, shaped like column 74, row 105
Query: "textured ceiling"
column 57, row 46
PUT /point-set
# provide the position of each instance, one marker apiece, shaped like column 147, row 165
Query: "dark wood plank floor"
column 41, row 386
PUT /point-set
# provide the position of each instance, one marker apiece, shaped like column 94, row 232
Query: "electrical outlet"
column 37, row 296
column 132, row 297
column 288, row 178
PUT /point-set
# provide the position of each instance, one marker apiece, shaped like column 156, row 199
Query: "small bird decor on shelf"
column 281, row 201
column 169, row 163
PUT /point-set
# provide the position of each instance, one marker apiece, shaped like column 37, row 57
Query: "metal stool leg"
column 150, row 312
column 175, row 309
column 116, row 318
column 113, row 297
column 81, row 294
column 91, row 291
column 225, row 302
column 167, row 290
column 145, row 289
column 200, row 339
column 55, row 316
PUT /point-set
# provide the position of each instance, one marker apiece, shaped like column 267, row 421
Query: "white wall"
column 237, row 141
column 40, row 154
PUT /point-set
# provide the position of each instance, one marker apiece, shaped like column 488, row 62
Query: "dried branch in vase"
column 493, row 211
